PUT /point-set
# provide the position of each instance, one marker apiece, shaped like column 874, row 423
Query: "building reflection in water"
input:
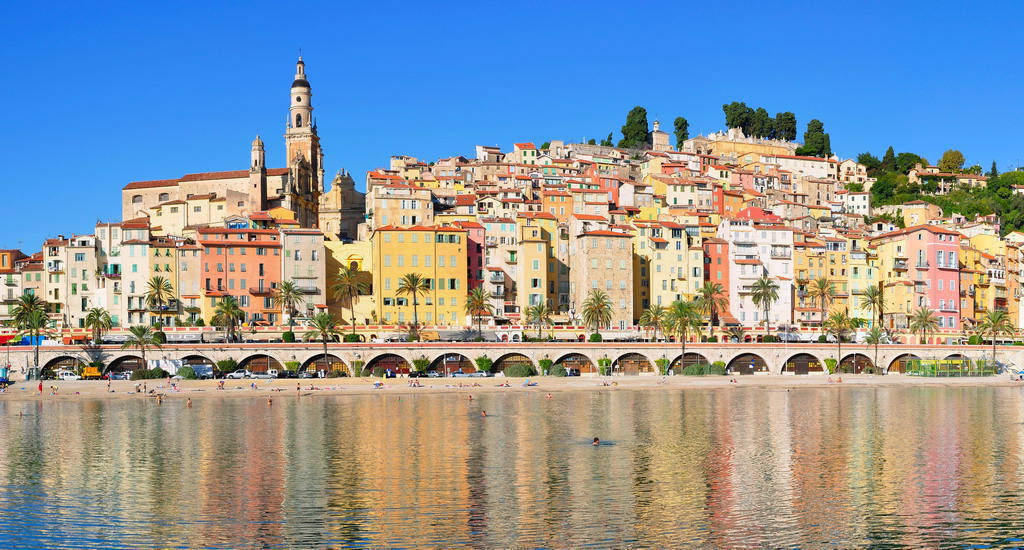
column 736, row 467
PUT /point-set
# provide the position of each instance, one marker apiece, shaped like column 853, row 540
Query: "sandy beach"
column 286, row 388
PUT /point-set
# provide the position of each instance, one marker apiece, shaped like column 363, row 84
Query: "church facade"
column 298, row 187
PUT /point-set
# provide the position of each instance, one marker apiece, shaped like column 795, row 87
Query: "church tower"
column 300, row 133
column 257, row 176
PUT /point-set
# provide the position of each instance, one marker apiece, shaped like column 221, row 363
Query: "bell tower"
column 300, row 132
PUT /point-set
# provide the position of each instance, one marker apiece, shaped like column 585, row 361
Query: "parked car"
column 287, row 374
column 120, row 376
column 263, row 375
column 203, row 372
column 480, row 374
column 434, row 374
column 307, row 374
column 67, row 375
column 239, row 374
column 417, row 374
column 460, row 374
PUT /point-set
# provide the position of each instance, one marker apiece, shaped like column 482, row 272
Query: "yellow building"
column 358, row 256
column 438, row 255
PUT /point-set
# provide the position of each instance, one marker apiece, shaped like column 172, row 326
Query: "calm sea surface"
column 728, row 468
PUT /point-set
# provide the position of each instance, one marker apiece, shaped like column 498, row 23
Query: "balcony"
column 112, row 275
column 497, row 278
column 9, row 280
column 782, row 253
column 923, row 264
column 55, row 267
column 512, row 259
column 261, row 291
column 899, row 265
column 308, row 289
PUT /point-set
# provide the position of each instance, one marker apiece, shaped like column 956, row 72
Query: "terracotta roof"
column 150, row 184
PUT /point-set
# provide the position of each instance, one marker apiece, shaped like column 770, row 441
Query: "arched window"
column 298, row 121
column 137, row 199
column 164, row 197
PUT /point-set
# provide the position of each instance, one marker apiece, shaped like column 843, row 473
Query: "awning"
column 4, row 338
column 184, row 337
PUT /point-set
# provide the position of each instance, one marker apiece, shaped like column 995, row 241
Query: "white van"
column 67, row 375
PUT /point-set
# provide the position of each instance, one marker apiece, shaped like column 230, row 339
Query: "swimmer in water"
column 270, row 401
column 189, row 402
column 596, row 442
column 483, row 413
column 549, row 396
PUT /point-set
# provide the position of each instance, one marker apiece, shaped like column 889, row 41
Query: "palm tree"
column 839, row 324
column 764, row 293
column 874, row 300
column 413, row 284
column 158, row 293
column 323, row 326
column 823, row 289
column 349, row 282
column 711, row 300
column 227, row 314
column 875, row 336
column 34, row 324
column 477, row 305
column 540, row 315
column 682, row 316
column 288, row 297
column 597, row 310
column 994, row 323
column 736, row 333
column 27, row 303
column 924, row 322
column 98, row 319
column 653, row 317
column 142, row 337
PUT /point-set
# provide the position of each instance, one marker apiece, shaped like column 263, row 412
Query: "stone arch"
column 803, row 363
column 510, row 359
column 448, row 363
column 576, row 361
column 67, row 362
column 260, row 362
column 856, row 363
column 692, row 358
column 633, row 364
column 332, row 363
column 748, row 363
column 196, row 359
column 899, row 363
column 963, row 359
column 396, row 363
column 126, row 363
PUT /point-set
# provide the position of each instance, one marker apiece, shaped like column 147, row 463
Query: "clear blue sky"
column 97, row 96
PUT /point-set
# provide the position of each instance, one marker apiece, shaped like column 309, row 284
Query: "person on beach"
column 483, row 413
column 40, row 387
column 189, row 402
column 596, row 442
column 108, row 385
column 270, row 401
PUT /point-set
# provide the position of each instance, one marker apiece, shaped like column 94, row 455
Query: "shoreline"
column 286, row 388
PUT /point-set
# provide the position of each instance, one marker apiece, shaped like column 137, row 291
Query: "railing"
column 923, row 264
column 899, row 264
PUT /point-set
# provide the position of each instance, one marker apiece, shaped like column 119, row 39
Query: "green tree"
column 738, row 115
column 905, row 162
column 764, row 292
column 952, row 161
column 994, row 323
column 98, row 319
column 477, row 305
column 888, row 160
column 142, row 337
column 653, row 317
column 761, row 124
column 816, row 142
column 874, row 300
column 228, row 314
column 682, row 132
column 875, row 336
column 546, row 145
column 323, row 326
column 635, row 130
column 159, row 293
column 539, row 315
column 27, row 303
column 711, row 301
column 597, row 310
column 923, row 321
column 287, row 296
column 682, row 317
column 785, row 126
column 35, row 324
column 839, row 325
column 994, row 172
column 608, row 141
column 870, row 162
column 350, row 284
column 413, row 284
column 823, row 290
column 593, row 141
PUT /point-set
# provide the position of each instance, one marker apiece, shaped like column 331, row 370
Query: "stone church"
column 299, row 187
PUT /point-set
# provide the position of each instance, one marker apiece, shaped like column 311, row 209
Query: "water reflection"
column 737, row 468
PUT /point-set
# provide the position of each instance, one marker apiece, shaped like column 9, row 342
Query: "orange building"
column 244, row 263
